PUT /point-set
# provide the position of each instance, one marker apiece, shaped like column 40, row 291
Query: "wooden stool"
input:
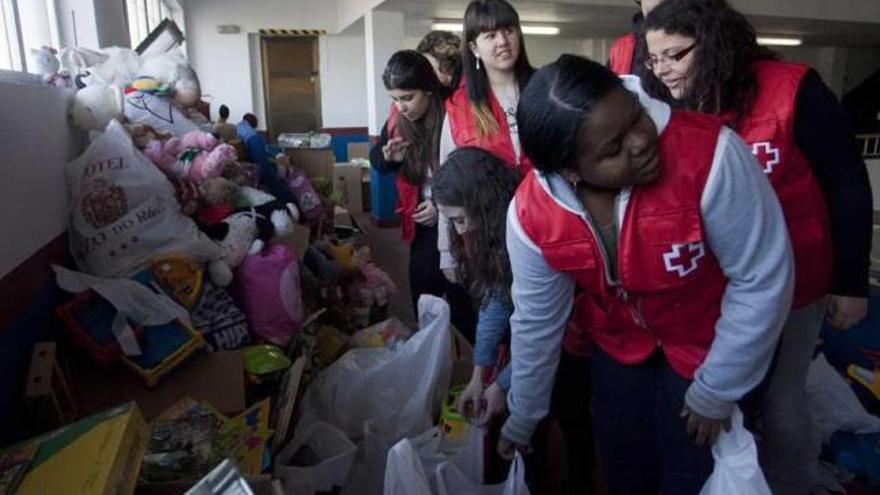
column 47, row 393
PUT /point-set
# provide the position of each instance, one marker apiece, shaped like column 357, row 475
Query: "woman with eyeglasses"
column 705, row 57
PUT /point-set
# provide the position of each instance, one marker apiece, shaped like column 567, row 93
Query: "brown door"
column 291, row 84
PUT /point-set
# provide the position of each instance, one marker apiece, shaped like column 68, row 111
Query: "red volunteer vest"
column 463, row 127
column 768, row 128
column 620, row 57
column 670, row 285
column 407, row 193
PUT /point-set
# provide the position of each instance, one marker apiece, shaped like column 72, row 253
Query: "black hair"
column 224, row 112
column 446, row 48
column 409, row 70
column 482, row 16
column 553, row 106
column 482, row 184
column 726, row 47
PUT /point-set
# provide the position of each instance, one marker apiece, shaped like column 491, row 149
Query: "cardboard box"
column 359, row 150
column 99, row 455
column 348, row 179
column 315, row 163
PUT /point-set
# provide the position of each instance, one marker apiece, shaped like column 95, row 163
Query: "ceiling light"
column 537, row 30
column 541, row 30
column 767, row 41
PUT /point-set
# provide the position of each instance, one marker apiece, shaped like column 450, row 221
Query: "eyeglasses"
column 651, row 62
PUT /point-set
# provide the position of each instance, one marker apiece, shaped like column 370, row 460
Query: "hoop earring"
column 478, row 63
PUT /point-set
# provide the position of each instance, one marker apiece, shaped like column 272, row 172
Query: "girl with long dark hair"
column 684, row 283
column 482, row 110
column 472, row 190
column 410, row 147
column 705, row 57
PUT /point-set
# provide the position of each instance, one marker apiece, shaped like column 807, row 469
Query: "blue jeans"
column 642, row 441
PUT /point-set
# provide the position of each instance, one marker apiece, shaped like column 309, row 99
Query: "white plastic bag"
column 833, row 404
column 397, row 391
column 414, row 461
column 331, row 446
column 133, row 301
column 736, row 463
column 378, row 396
column 404, row 473
column 123, row 212
column 452, row 481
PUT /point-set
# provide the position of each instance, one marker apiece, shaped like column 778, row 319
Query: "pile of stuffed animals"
column 157, row 99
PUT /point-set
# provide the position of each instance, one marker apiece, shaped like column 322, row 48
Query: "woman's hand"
column 426, row 213
column 705, row 430
column 844, row 311
column 495, row 399
column 470, row 402
column 395, row 149
column 507, row 448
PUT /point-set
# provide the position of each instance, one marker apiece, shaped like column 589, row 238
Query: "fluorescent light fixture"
column 447, row 26
column 538, row 30
column 541, row 30
column 773, row 41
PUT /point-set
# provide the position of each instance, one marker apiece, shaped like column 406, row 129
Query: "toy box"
column 99, row 455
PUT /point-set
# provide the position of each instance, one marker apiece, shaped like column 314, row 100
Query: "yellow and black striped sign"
column 292, row 32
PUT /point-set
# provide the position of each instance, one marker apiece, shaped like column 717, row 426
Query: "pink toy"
column 197, row 156
column 309, row 202
column 268, row 291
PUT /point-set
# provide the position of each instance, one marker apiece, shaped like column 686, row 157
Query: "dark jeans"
column 570, row 408
column 641, row 438
column 425, row 277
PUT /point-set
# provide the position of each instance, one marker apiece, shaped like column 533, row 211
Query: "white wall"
column 223, row 61
column 826, row 60
column 343, row 81
column 860, row 64
column 874, row 176
column 37, row 142
column 111, row 23
column 77, row 27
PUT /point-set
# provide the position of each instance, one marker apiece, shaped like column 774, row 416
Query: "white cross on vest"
column 683, row 257
column 767, row 155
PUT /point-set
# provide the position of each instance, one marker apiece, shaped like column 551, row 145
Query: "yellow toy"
column 452, row 424
column 181, row 277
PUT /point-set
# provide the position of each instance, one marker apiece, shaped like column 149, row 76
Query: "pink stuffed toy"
column 197, row 156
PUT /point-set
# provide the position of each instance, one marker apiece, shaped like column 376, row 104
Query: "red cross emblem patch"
column 683, row 258
column 767, row 155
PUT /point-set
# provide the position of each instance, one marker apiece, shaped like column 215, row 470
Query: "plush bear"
column 235, row 235
column 46, row 62
column 95, row 106
column 274, row 219
column 197, row 155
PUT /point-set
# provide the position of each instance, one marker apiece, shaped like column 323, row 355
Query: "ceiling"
column 585, row 21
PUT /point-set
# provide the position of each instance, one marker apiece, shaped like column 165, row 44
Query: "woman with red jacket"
column 682, row 283
column 411, row 149
column 704, row 57
column 482, row 110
